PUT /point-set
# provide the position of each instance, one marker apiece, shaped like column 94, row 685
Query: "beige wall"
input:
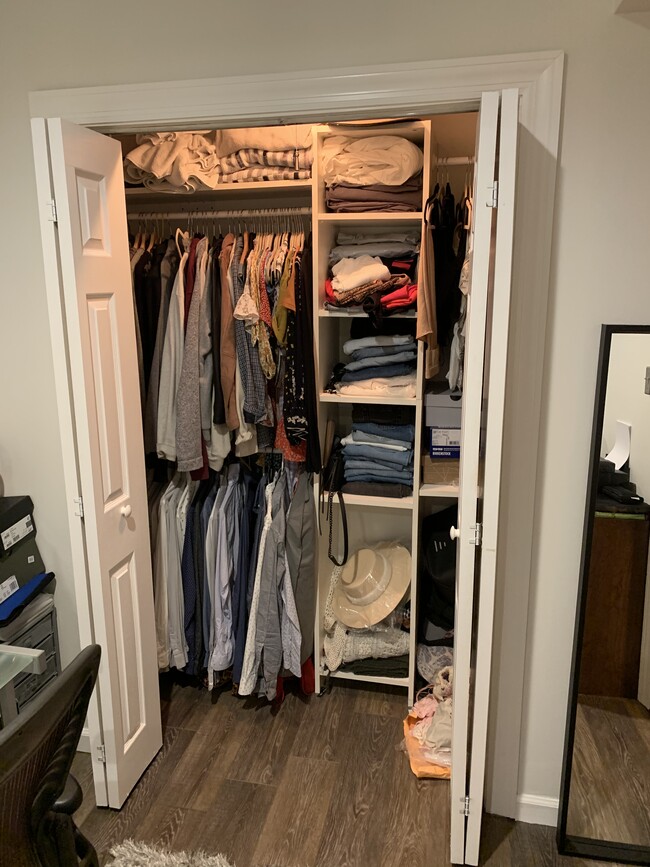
column 600, row 260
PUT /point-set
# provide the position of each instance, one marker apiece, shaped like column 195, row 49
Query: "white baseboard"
column 537, row 810
column 84, row 742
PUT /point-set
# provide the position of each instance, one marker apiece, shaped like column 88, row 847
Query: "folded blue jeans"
column 381, row 351
column 371, row 476
column 405, row 432
column 375, row 453
column 374, row 373
column 353, row 464
column 376, row 365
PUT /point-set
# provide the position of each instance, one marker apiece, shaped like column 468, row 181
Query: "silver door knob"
column 125, row 511
column 454, row 533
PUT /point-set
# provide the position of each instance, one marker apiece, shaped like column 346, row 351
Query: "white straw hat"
column 373, row 582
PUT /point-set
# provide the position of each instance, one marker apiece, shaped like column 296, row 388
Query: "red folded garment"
column 405, row 296
column 329, row 293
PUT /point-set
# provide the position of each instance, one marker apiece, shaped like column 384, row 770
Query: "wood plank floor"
column 320, row 783
column 610, row 781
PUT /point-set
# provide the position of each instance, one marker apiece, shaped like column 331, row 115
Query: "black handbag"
column 332, row 480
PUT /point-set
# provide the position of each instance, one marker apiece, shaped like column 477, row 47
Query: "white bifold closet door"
column 87, row 259
column 481, row 456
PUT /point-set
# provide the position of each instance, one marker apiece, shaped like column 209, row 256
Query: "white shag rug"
column 132, row 854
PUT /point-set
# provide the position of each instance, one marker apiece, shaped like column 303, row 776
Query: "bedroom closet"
column 330, row 232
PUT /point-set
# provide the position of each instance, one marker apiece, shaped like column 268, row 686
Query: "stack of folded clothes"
column 182, row 162
column 375, row 173
column 374, row 272
column 354, row 280
column 350, row 199
column 383, row 365
column 380, row 457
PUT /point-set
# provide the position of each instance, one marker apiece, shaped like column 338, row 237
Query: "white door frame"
column 644, row 665
column 401, row 89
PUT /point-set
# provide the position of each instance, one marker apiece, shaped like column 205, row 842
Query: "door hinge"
column 477, row 535
column 493, row 195
column 101, row 753
column 466, row 807
column 51, row 207
column 79, row 506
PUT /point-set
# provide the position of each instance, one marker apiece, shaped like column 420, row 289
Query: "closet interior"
column 302, row 440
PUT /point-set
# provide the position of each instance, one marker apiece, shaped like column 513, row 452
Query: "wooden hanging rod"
column 454, row 161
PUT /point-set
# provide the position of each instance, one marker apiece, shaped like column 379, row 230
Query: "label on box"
column 17, row 532
column 441, row 452
column 446, row 437
column 8, row 587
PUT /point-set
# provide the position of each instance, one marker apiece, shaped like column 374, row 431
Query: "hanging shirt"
column 189, row 454
column 427, row 324
column 225, row 565
column 253, row 382
column 160, row 562
column 168, row 268
column 251, row 662
column 170, row 371
column 227, row 336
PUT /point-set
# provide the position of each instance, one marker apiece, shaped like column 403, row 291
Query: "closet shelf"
column 376, row 502
column 326, row 397
column 369, row 678
column 251, row 189
column 343, row 314
column 372, row 217
column 448, row 491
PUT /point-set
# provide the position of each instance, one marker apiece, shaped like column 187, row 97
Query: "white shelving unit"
column 326, row 397
column 445, row 491
column 344, row 314
column 370, row 519
column 412, row 217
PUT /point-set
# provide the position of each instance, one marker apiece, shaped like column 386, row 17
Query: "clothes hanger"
column 153, row 239
column 246, row 248
column 181, row 239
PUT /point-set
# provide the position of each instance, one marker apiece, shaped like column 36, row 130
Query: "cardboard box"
column 18, row 567
column 444, row 442
column 16, row 523
column 441, row 471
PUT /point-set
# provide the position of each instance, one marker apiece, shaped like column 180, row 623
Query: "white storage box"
column 442, row 410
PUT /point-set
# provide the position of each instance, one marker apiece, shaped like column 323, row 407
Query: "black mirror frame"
column 603, row 850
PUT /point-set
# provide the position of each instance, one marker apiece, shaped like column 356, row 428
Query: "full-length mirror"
column 605, row 799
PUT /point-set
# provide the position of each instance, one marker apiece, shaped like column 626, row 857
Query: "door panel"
column 494, row 405
column 103, row 327
column 60, row 361
column 93, row 244
column 468, row 503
